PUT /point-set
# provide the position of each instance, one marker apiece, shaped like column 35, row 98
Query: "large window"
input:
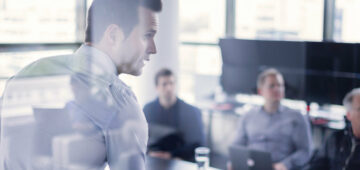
column 39, row 21
column 347, row 22
column 202, row 20
column 202, row 23
column 280, row 19
column 199, row 65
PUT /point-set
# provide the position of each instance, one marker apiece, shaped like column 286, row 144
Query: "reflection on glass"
column 12, row 62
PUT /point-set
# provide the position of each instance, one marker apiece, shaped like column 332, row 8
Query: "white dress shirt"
column 71, row 112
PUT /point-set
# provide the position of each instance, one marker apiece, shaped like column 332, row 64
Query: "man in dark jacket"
column 342, row 149
column 170, row 111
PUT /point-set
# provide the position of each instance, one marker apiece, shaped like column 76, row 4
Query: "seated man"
column 274, row 128
column 342, row 149
column 170, row 111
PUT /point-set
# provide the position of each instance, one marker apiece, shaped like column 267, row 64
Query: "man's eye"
column 147, row 36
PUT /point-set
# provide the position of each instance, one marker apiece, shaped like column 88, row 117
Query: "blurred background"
column 188, row 43
column 30, row 30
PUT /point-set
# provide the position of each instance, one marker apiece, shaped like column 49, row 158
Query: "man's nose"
column 151, row 49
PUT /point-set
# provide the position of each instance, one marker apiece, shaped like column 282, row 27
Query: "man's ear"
column 157, row 88
column 259, row 91
column 113, row 34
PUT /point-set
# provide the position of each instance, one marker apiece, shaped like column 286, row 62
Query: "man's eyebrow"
column 151, row 31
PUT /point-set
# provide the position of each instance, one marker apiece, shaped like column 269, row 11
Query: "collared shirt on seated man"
column 279, row 130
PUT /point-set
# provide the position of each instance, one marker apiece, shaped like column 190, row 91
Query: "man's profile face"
column 354, row 113
column 273, row 88
column 136, row 49
column 166, row 87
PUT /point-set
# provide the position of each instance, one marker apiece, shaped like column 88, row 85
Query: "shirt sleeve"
column 125, row 148
column 126, row 135
column 195, row 135
column 116, row 112
column 198, row 131
column 241, row 136
column 302, row 143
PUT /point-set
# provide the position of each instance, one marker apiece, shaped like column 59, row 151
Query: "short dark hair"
column 162, row 73
column 266, row 73
column 123, row 13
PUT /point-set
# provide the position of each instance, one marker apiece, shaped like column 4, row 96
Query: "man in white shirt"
column 100, row 121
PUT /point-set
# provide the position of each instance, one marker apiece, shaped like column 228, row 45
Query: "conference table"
column 153, row 163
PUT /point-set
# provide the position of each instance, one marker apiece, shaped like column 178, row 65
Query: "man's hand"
column 279, row 166
column 160, row 154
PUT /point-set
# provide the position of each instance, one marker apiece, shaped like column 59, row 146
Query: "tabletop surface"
column 153, row 163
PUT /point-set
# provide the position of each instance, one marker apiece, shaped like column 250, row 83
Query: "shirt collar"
column 98, row 59
column 280, row 110
column 175, row 105
column 349, row 130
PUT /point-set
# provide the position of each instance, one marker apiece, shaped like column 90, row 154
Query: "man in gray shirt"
column 274, row 128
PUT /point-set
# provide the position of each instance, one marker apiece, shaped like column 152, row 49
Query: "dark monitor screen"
column 357, row 58
column 243, row 60
column 327, row 89
column 243, row 80
column 238, row 52
column 334, row 57
column 357, row 63
column 330, row 71
column 236, row 79
column 240, row 66
column 313, row 71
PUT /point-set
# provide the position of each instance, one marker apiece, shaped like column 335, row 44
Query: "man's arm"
column 120, row 120
column 186, row 152
column 126, row 135
column 241, row 136
column 195, row 134
column 302, row 141
column 198, row 132
column 125, row 148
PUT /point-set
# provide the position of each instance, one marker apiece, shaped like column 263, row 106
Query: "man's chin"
column 136, row 72
column 276, row 100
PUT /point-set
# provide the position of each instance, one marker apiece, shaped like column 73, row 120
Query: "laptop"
column 246, row 159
